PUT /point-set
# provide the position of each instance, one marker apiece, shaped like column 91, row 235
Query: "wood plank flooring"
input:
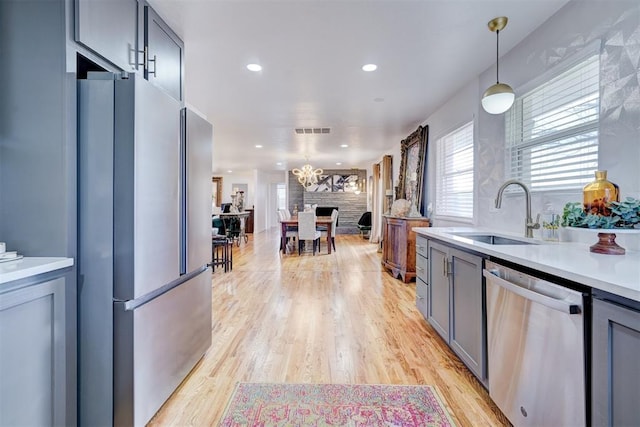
column 335, row 318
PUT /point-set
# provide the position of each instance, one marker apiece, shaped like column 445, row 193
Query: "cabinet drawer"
column 422, row 268
column 422, row 293
column 421, row 245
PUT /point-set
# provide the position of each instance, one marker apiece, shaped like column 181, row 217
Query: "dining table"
column 293, row 221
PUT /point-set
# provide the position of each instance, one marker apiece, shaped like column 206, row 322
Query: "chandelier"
column 307, row 176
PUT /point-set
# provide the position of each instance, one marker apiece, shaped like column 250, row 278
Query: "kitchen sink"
column 492, row 239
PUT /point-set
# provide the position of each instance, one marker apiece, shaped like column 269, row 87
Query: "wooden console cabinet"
column 248, row 225
column 399, row 245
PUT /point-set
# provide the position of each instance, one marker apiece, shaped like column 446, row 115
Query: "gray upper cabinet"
column 163, row 54
column 615, row 365
column 109, row 28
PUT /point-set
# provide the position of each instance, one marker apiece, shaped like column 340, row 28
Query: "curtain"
column 387, row 182
column 376, row 205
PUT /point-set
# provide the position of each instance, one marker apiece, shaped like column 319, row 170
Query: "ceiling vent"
column 301, row 131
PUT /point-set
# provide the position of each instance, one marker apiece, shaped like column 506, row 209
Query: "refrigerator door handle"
column 131, row 305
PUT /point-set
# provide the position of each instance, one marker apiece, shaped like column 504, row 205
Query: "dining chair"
column 307, row 230
column 323, row 231
column 290, row 233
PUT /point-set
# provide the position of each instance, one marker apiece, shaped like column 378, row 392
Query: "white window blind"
column 454, row 173
column 552, row 131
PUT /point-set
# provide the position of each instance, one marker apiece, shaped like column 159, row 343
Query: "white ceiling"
column 312, row 52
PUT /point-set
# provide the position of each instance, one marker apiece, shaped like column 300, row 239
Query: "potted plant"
column 625, row 217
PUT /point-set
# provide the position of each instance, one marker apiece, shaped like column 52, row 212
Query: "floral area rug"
column 263, row 404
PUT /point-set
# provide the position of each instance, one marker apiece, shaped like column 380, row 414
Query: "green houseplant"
column 624, row 215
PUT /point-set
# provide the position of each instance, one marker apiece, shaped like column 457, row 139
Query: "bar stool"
column 221, row 253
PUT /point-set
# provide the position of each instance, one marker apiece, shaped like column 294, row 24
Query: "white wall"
column 238, row 178
column 575, row 27
column 265, row 201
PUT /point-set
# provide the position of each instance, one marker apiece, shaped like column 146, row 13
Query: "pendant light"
column 499, row 97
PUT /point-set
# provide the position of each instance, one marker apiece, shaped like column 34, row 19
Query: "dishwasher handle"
column 552, row 303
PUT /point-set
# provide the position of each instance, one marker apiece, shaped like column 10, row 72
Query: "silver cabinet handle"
column 550, row 302
column 419, row 268
column 133, row 57
column 155, row 66
column 446, row 267
column 147, row 60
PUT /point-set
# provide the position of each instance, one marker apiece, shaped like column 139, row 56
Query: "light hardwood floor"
column 335, row 318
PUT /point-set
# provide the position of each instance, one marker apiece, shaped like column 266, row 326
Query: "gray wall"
column 614, row 27
column 351, row 206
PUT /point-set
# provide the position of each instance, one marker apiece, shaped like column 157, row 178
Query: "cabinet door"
column 467, row 311
column 164, row 54
column 110, row 29
column 615, row 365
column 439, row 289
column 32, row 355
column 395, row 243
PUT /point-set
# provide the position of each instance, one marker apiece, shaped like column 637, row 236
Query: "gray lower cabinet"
column 456, row 303
column 109, row 28
column 422, row 276
column 422, row 297
column 164, row 54
column 615, row 367
column 439, row 297
column 32, row 354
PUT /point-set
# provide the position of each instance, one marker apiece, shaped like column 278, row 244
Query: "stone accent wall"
column 351, row 206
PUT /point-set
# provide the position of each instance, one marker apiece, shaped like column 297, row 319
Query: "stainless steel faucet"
column 529, row 225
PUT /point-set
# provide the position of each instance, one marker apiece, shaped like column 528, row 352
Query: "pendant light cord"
column 497, row 62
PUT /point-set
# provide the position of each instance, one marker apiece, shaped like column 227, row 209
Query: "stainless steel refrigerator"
column 144, row 237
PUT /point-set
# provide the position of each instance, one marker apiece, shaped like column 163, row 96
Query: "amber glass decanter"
column 598, row 194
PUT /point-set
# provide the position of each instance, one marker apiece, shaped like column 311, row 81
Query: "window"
column 552, row 130
column 454, row 173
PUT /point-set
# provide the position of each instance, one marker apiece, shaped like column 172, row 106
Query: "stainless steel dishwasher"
column 535, row 349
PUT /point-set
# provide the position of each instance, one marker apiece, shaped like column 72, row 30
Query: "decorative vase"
column 598, row 194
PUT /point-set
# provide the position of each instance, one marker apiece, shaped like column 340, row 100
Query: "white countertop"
column 617, row 274
column 30, row 266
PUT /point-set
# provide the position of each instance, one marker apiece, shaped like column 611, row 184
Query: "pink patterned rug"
column 258, row 404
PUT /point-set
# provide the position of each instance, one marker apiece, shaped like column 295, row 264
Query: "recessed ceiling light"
column 344, row 145
column 229, row 171
column 254, row 67
column 258, row 146
column 338, row 163
column 279, row 163
column 369, row 67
